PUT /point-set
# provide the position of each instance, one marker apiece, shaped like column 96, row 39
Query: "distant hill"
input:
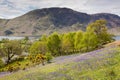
column 48, row 20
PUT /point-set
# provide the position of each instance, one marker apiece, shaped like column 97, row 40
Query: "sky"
column 14, row 8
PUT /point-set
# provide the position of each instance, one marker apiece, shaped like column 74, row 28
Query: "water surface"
column 117, row 38
column 15, row 38
column 18, row 38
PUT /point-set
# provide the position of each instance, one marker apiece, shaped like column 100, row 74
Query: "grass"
column 97, row 65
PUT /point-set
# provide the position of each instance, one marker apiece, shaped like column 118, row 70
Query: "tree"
column 78, row 37
column 10, row 49
column 89, row 40
column 54, row 44
column 38, row 47
column 100, row 29
column 43, row 38
column 25, row 44
column 68, row 42
column 26, row 38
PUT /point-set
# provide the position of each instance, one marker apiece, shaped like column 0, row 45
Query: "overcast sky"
column 14, row 8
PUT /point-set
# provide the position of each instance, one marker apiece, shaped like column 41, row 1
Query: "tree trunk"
column 8, row 59
column 87, row 48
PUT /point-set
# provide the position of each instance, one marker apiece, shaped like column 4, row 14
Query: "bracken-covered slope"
column 48, row 20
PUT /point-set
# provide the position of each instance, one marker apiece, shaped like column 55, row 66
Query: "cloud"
column 14, row 8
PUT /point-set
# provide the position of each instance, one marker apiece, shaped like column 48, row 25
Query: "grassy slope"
column 101, row 64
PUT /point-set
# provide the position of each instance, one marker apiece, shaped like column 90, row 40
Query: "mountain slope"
column 47, row 20
column 100, row 64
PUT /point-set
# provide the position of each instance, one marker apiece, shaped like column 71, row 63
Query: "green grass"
column 103, row 68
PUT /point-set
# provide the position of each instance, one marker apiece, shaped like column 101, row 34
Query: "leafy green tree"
column 25, row 42
column 66, row 45
column 43, row 38
column 54, row 44
column 68, row 42
column 78, row 37
column 10, row 49
column 38, row 47
column 26, row 38
column 26, row 46
column 100, row 29
column 89, row 40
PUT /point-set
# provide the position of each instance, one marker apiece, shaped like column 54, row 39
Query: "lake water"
column 10, row 37
column 13, row 37
column 117, row 38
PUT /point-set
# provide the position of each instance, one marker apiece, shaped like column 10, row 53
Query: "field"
column 102, row 64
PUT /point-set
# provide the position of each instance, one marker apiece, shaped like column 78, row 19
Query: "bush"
column 48, row 57
column 12, row 69
column 37, row 59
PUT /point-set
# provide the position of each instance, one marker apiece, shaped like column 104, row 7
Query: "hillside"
column 101, row 64
column 48, row 20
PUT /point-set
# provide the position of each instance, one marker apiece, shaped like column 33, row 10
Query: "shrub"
column 12, row 69
column 37, row 59
column 48, row 57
